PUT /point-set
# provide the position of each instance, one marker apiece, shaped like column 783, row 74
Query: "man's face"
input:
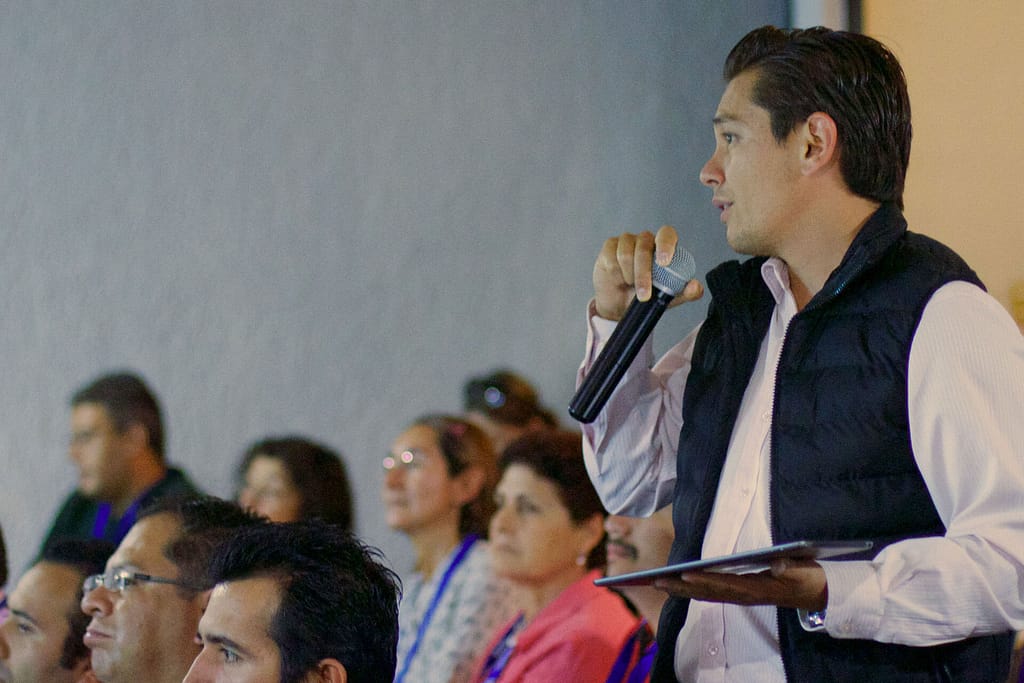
column 235, row 634
column 32, row 639
column 99, row 450
column 638, row 543
column 755, row 179
column 145, row 632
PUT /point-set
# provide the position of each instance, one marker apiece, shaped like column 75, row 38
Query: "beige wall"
column 965, row 69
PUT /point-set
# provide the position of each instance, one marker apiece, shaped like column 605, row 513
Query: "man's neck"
column 145, row 477
column 821, row 248
column 648, row 601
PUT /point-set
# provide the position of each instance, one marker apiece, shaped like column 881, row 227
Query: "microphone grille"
column 672, row 278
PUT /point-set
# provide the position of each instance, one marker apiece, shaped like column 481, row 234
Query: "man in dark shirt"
column 117, row 443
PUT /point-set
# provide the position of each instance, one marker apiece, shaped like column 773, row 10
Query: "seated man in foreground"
column 302, row 601
column 146, row 606
column 41, row 640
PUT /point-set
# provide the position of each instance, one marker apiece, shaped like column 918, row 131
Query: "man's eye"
column 26, row 628
column 230, row 656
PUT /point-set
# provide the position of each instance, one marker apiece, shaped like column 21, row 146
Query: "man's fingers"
column 665, row 244
column 643, row 253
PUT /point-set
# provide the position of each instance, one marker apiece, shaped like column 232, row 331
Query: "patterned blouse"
column 473, row 605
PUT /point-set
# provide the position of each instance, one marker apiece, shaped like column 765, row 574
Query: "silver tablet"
column 742, row 563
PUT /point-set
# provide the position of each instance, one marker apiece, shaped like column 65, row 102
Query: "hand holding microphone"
column 624, row 261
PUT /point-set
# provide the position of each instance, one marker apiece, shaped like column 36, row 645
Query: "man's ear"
column 137, row 435
column 331, row 671
column 821, row 140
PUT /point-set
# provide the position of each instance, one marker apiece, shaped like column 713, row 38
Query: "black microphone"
column 629, row 336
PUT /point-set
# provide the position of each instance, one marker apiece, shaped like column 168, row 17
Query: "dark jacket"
column 78, row 516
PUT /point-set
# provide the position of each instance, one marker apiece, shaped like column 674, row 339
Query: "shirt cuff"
column 854, row 599
column 600, row 328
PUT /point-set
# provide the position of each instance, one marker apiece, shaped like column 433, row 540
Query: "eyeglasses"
column 120, row 579
column 409, row 458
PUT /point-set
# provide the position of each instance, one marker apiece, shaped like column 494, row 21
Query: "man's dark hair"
column 87, row 556
column 127, row 401
column 854, row 79
column 557, row 455
column 338, row 599
column 206, row 521
column 316, row 471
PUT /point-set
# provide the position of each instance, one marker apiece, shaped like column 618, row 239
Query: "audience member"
column 505, row 406
column 547, row 538
column 634, row 544
column 286, row 479
column 117, row 443
column 438, row 490
column 146, row 606
column 42, row 639
column 852, row 381
column 298, row 602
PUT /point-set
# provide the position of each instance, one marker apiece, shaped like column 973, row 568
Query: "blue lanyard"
column 502, row 652
column 99, row 525
column 434, row 602
column 641, row 646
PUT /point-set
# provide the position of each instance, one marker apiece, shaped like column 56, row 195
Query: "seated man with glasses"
column 146, row 606
column 299, row 601
column 41, row 640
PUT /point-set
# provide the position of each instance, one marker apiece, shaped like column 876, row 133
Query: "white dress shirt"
column 966, row 405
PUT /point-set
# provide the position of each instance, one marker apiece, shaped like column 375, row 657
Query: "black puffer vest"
column 842, row 466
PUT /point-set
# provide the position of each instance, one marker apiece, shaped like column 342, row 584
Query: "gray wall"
column 321, row 217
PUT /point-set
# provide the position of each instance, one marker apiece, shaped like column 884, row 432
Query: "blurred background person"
column 547, row 539
column 634, row 544
column 117, row 444
column 439, row 479
column 506, row 406
column 41, row 641
column 291, row 478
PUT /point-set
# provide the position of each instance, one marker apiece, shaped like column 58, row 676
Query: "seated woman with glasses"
column 438, row 485
column 548, row 539
column 288, row 479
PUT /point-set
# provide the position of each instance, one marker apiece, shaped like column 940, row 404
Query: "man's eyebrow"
column 723, row 118
column 21, row 614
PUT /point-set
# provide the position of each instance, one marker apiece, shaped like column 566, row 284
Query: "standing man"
column 146, row 606
column 117, row 443
column 298, row 602
column 852, row 380
column 42, row 638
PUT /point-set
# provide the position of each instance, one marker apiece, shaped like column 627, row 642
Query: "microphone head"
column 672, row 278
